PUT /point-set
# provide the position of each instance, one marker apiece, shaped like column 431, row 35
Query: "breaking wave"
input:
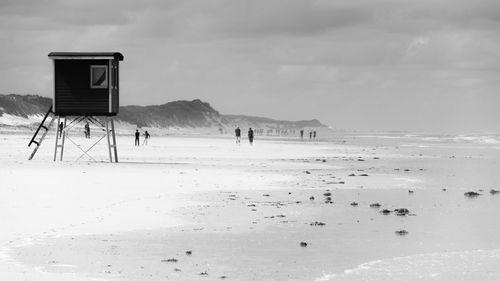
column 465, row 265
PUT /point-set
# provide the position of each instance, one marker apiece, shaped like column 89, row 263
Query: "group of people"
column 312, row 135
column 147, row 136
column 86, row 130
column 237, row 132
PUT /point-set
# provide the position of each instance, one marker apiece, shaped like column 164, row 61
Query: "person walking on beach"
column 61, row 127
column 310, row 135
column 87, row 130
column 137, row 134
column 237, row 132
column 250, row 136
column 301, row 135
column 314, row 134
column 146, row 137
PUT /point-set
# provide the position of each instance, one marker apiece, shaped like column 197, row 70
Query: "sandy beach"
column 203, row 208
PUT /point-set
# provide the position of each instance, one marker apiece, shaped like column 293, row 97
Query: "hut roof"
column 86, row 55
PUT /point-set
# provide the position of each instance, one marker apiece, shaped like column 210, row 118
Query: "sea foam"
column 463, row 265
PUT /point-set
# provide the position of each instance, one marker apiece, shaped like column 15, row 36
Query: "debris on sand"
column 251, row 205
column 401, row 232
column 385, row 211
column 177, row 269
column 170, row 260
column 223, row 277
column 494, row 191
column 307, row 172
column 411, row 191
column 204, row 273
column 375, row 205
column 188, row 253
column 363, row 175
column 354, row 204
column 328, row 200
column 327, row 194
column 471, row 194
column 444, row 189
column 352, row 175
column 317, row 223
column 303, row 244
column 406, row 170
column 311, row 198
column 266, row 195
column 401, row 212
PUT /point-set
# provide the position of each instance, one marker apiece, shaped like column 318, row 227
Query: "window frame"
column 106, row 73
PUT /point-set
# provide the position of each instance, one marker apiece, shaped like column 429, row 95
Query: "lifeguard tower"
column 86, row 89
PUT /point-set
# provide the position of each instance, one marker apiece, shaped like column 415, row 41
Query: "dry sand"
column 189, row 208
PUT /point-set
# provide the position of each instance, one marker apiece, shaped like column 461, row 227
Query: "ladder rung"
column 44, row 127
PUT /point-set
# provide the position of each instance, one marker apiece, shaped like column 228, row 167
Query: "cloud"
column 283, row 58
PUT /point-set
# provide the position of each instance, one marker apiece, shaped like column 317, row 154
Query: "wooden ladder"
column 45, row 128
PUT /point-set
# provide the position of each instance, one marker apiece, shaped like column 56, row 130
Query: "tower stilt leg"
column 114, row 139
column 57, row 137
column 63, row 138
column 107, row 137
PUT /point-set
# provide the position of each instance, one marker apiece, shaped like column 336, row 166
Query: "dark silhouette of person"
column 146, row 138
column 250, row 136
column 237, row 132
column 310, row 135
column 314, row 134
column 137, row 134
column 301, row 134
column 61, row 127
column 87, row 130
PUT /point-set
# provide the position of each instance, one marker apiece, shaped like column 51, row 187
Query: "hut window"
column 98, row 76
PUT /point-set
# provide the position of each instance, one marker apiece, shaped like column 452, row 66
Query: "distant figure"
column 310, row 135
column 302, row 135
column 314, row 134
column 61, row 127
column 137, row 134
column 87, row 130
column 250, row 136
column 146, row 137
column 237, row 132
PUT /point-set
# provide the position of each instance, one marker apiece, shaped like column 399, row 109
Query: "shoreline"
column 193, row 201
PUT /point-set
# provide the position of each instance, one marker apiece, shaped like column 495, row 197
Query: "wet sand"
column 208, row 212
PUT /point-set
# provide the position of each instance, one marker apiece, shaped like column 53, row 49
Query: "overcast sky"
column 424, row 65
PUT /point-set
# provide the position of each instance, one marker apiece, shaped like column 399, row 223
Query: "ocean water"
column 445, row 266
